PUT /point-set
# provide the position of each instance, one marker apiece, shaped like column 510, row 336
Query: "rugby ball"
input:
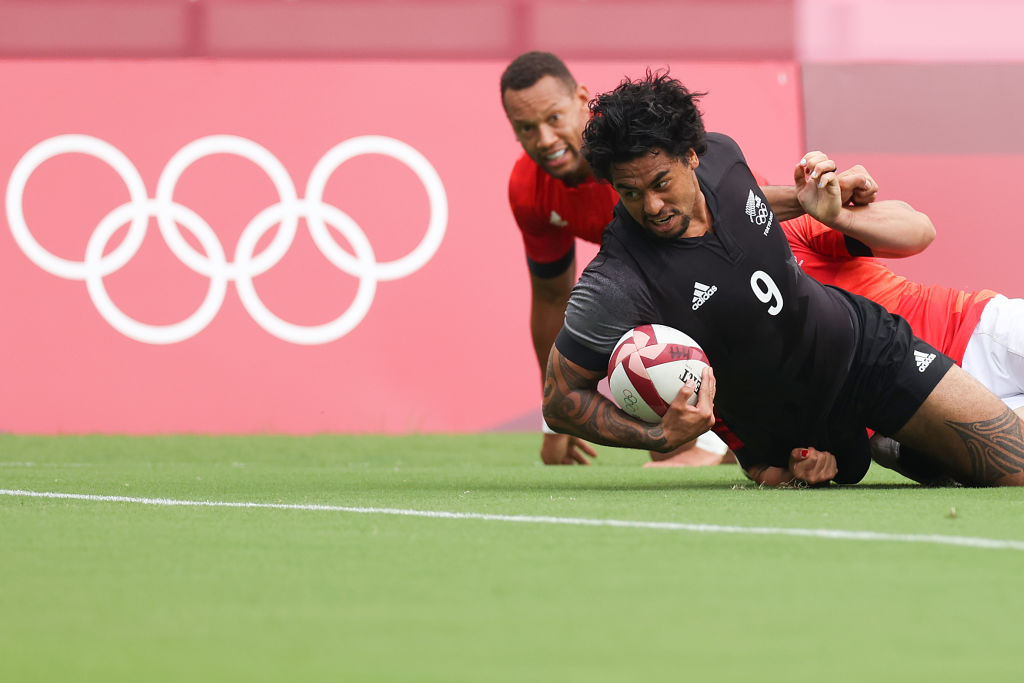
column 649, row 366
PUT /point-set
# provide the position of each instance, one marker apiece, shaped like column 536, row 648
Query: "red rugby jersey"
column 550, row 214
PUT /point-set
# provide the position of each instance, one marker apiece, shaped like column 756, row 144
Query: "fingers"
column 812, row 158
column 806, row 166
column 866, row 193
column 705, row 402
column 857, row 186
column 815, row 165
column 685, row 393
column 557, row 449
column 799, row 175
column 708, row 388
column 827, row 179
column 686, row 418
column 578, row 452
column 817, row 168
column 865, row 183
column 769, row 476
column 585, row 447
column 574, row 456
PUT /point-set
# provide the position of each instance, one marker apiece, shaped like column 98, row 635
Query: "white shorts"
column 995, row 352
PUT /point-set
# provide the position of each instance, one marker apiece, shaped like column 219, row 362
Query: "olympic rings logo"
column 246, row 264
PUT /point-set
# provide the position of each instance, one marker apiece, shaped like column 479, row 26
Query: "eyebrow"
column 545, row 114
column 655, row 181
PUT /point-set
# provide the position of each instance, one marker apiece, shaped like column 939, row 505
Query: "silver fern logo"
column 758, row 212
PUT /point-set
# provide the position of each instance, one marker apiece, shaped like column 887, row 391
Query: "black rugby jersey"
column 780, row 343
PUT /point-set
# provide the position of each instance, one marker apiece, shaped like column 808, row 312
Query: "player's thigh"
column 971, row 433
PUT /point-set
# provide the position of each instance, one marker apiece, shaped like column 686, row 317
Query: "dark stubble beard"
column 684, row 226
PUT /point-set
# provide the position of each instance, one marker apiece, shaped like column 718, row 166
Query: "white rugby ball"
column 649, row 366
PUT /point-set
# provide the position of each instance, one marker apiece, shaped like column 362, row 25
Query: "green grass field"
column 131, row 590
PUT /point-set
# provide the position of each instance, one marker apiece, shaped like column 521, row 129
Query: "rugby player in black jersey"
column 800, row 369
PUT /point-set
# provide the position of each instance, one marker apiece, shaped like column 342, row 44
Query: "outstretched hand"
column 565, row 449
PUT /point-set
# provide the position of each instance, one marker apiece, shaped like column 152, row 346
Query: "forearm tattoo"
column 583, row 411
column 995, row 448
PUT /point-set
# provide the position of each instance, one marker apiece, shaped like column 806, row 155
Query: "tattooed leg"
column 967, row 433
column 994, row 447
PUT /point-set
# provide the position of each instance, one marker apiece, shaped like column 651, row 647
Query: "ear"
column 583, row 95
column 692, row 160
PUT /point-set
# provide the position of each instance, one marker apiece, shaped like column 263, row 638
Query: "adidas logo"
column 923, row 360
column 557, row 220
column 701, row 293
column 757, row 211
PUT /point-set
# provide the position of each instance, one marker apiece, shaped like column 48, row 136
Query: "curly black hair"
column 656, row 112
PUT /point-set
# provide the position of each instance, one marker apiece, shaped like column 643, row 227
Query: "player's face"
column 662, row 195
column 548, row 119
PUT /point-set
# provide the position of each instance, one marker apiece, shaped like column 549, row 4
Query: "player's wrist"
column 843, row 222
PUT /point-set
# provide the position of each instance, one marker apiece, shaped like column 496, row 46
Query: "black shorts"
column 891, row 375
column 893, row 372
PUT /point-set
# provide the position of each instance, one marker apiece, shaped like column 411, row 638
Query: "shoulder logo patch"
column 758, row 212
column 923, row 360
column 557, row 220
column 701, row 293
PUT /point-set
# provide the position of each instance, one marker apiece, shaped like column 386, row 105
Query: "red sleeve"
column 542, row 242
column 807, row 234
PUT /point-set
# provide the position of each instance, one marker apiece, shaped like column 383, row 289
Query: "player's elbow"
column 919, row 235
column 926, row 232
column 553, row 416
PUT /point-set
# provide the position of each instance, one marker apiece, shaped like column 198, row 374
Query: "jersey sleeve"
column 817, row 237
column 605, row 303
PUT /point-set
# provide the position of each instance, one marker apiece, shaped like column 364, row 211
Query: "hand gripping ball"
column 649, row 366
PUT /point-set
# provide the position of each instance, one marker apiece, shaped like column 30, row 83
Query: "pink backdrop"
column 942, row 137
column 436, row 345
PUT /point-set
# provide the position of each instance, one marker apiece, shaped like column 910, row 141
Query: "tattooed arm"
column 573, row 405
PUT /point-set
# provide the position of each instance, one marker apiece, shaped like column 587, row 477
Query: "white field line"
column 836, row 534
